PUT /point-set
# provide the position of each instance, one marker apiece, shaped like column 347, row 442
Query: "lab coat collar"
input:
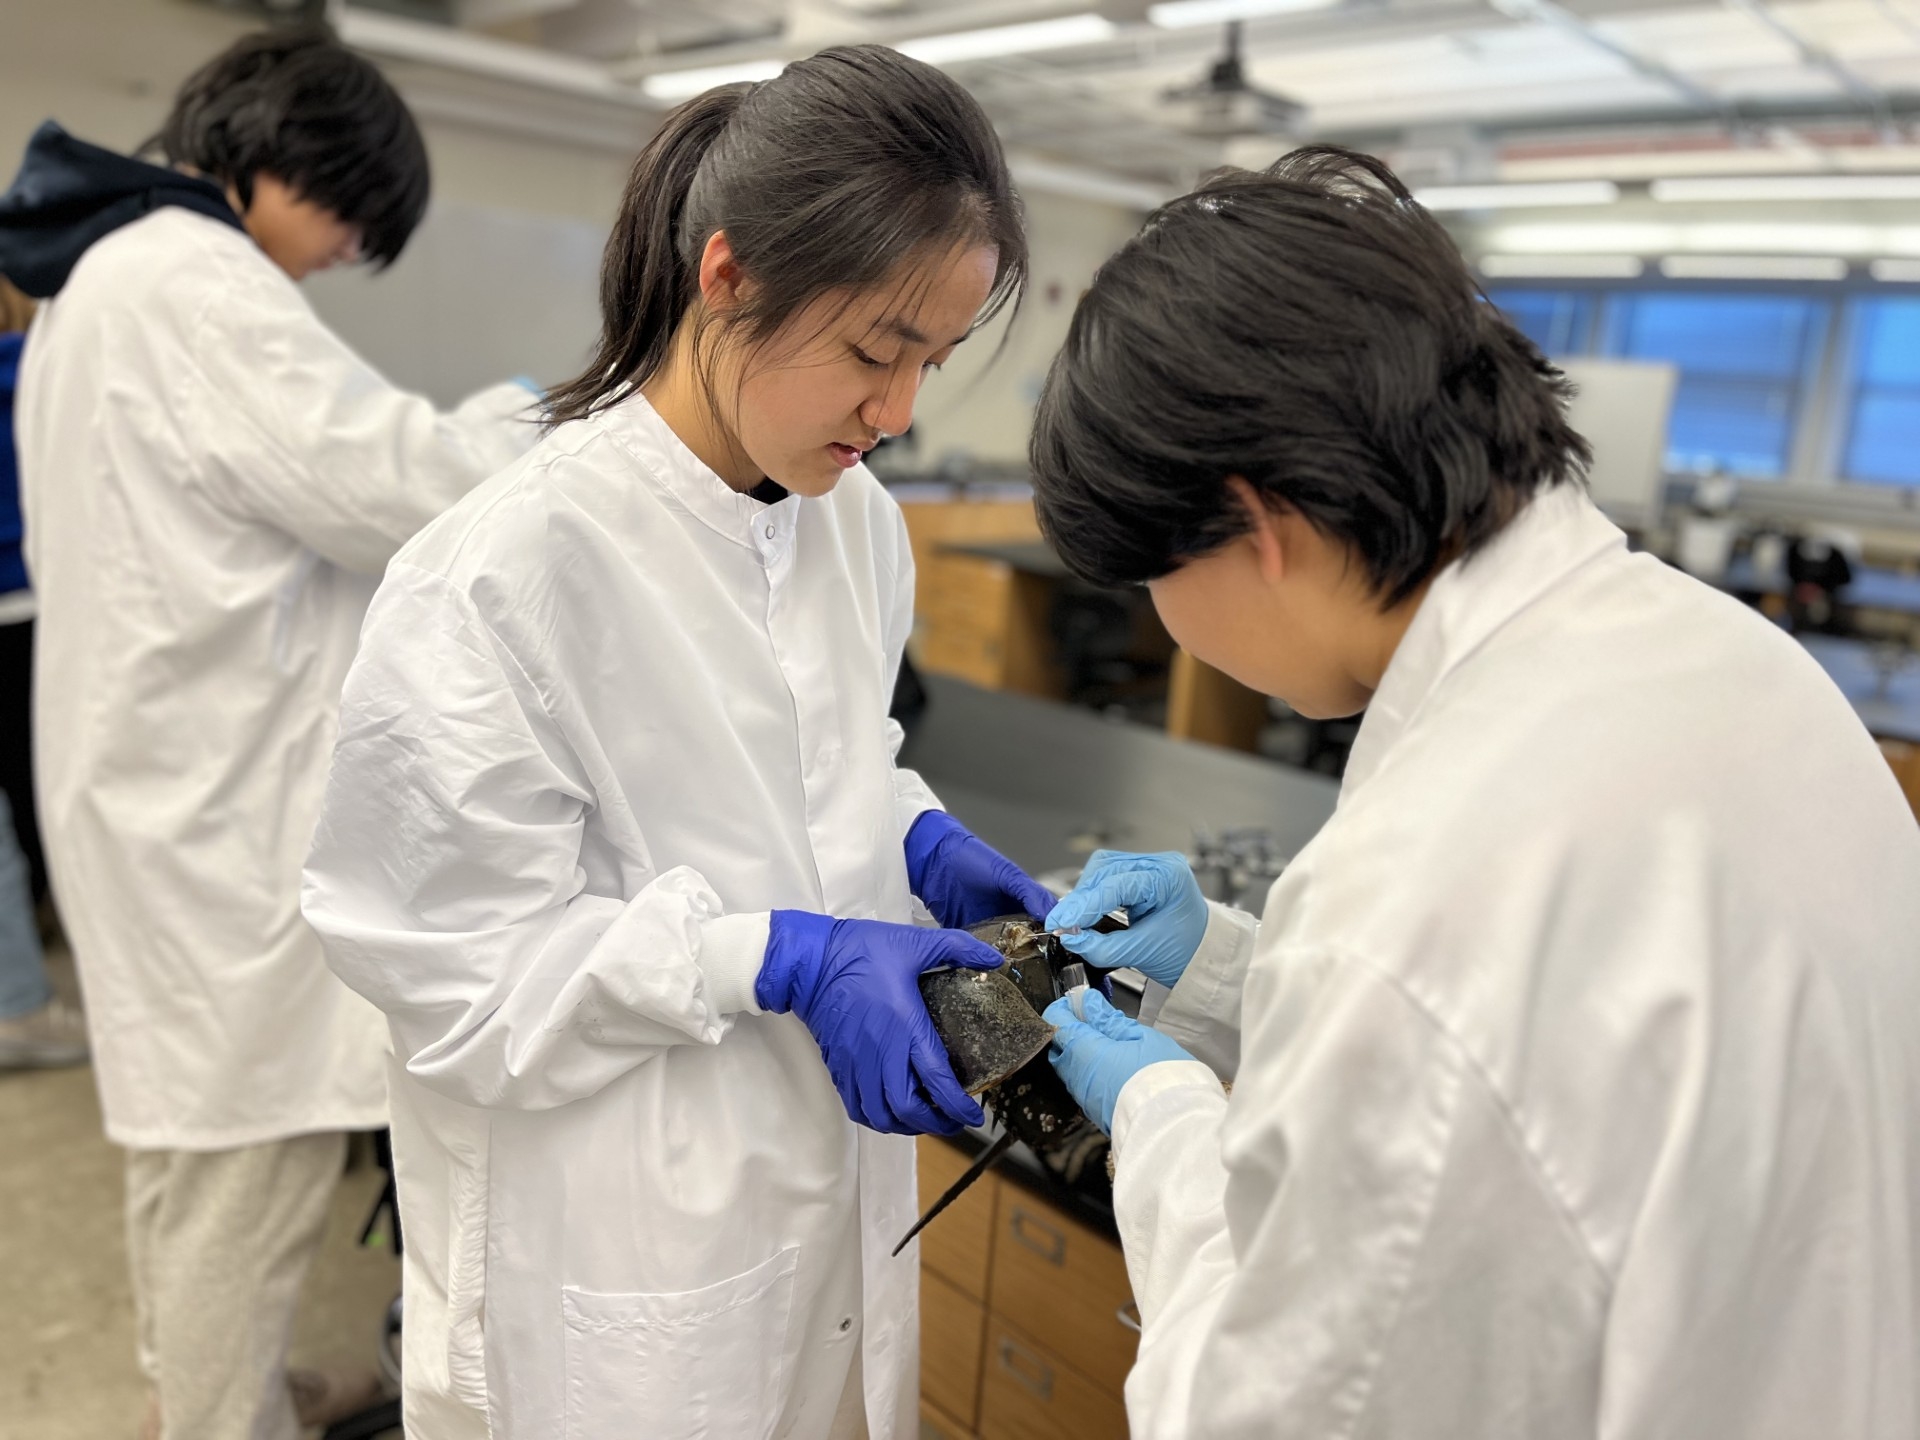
column 1558, row 532
column 638, row 428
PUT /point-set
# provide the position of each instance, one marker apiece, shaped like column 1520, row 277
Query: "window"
column 1883, row 403
column 1560, row 322
column 1743, row 362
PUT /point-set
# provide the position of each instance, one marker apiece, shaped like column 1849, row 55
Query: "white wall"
column 982, row 403
column 501, row 277
column 481, row 294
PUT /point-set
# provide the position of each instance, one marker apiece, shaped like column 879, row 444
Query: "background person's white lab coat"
column 211, row 480
column 1577, row 1092
column 607, row 714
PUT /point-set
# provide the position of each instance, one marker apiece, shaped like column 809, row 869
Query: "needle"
column 1105, row 925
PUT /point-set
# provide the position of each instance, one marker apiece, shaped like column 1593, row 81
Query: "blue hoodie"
column 13, row 570
column 69, row 194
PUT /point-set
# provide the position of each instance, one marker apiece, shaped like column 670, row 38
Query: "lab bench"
column 1046, row 784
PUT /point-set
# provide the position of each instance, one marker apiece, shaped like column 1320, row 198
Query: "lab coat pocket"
column 707, row 1364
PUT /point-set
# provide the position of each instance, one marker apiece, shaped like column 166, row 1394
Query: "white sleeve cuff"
column 911, row 800
column 1149, row 1084
column 732, row 950
column 1202, row 1011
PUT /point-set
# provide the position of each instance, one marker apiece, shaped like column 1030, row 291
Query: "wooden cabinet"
column 990, row 623
column 936, row 1425
column 1021, row 1328
column 1904, row 757
column 1204, row 704
column 1066, row 1284
column 956, row 1247
column 1028, row 1393
column 977, row 619
column 952, row 1331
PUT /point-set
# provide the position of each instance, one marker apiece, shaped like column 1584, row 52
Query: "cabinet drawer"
column 952, row 1329
column 936, row 1426
column 972, row 656
column 1029, row 1393
column 955, row 1246
column 1066, row 1282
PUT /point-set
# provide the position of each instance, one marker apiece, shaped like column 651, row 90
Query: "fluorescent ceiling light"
column 1753, row 267
column 1561, row 267
column 1898, row 272
column 1501, row 197
column 1175, row 14
column 685, row 84
column 1087, row 29
column 1787, row 187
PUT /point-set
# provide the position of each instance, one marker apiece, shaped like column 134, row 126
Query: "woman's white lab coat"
column 1577, row 1088
column 607, row 714
column 211, row 479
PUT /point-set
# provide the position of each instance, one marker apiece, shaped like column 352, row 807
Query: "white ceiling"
column 1451, row 88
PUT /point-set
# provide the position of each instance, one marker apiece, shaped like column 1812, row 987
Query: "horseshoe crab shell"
column 989, row 1027
column 989, row 1020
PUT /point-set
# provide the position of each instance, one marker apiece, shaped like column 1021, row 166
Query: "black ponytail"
column 646, row 283
column 829, row 177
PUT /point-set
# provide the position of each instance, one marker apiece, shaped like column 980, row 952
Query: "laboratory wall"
column 980, row 407
column 500, row 280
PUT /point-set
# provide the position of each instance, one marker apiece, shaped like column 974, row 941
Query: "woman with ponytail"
column 614, row 834
column 1574, row 1080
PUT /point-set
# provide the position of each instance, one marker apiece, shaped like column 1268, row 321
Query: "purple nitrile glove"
column 855, row 985
column 962, row 879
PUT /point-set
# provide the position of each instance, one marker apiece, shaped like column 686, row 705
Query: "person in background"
column 1576, row 1074
column 213, row 483
column 37, row 1028
column 615, row 835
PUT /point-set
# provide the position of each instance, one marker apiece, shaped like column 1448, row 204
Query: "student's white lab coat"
column 608, row 714
column 211, row 479
column 1577, row 1091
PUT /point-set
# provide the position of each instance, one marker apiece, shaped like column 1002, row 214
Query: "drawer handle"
column 1129, row 1316
column 1036, row 1376
column 1039, row 1237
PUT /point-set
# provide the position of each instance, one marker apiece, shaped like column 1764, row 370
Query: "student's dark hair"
column 1313, row 330
column 828, row 177
column 299, row 106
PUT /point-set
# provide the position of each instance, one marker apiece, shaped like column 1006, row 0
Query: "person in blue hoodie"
column 213, row 483
column 37, row 1028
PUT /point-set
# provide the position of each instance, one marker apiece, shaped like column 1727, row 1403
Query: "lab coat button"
column 769, row 532
column 846, row 1325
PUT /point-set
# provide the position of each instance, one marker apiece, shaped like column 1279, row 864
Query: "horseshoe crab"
column 989, row 1020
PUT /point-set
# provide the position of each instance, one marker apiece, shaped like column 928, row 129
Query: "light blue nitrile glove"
column 1166, row 913
column 855, row 985
column 962, row 879
column 1098, row 1055
column 532, row 386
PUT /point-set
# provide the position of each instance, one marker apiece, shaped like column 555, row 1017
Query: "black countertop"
column 1046, row 783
